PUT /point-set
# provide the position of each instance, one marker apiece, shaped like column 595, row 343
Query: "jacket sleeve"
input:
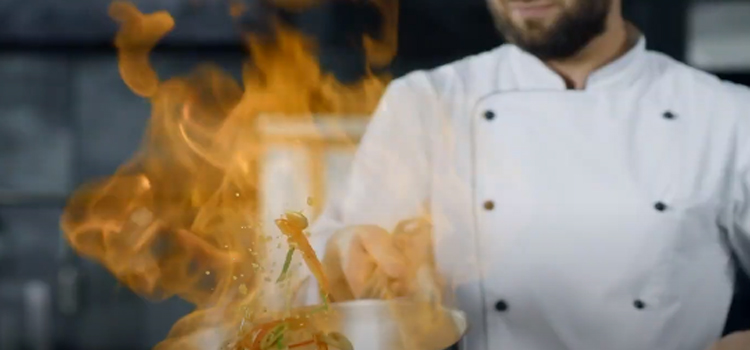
column 390, row 176
column 739, row 234
column 739, row 231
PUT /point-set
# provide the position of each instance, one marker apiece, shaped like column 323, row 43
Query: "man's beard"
column 566, row 37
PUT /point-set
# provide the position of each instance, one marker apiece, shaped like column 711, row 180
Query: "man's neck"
column 617, row 39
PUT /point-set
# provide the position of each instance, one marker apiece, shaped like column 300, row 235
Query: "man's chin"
column 544, row 50
column 533, row 35
column 531, row 44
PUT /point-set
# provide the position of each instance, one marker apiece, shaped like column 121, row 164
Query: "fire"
column 180, row 218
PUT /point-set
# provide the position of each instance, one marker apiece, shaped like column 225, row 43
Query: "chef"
column 585, row 193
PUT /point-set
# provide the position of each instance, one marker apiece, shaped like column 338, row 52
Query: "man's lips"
column 531, row 8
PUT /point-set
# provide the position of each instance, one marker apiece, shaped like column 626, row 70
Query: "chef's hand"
column 734, row 341
column 369, row 262
column 361, row 258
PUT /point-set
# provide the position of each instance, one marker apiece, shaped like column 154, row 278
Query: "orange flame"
column 181, row 217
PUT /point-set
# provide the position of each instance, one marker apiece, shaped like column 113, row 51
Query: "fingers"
column 413, row 226
column 374, row 289
column 381, row 247
column 370, row 254
column 368, row 251
column 734, row 341
column 359, row 269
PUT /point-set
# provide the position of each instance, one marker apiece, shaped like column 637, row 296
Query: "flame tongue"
column 138, row 35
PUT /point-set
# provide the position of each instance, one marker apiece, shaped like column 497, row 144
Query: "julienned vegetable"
column 287, row 263
column 295, row 332
column 293, row 228
column 275, row 335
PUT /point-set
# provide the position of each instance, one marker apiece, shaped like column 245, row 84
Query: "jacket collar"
column 531, row 73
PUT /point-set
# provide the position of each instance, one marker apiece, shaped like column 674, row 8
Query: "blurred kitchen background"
column 66, row 117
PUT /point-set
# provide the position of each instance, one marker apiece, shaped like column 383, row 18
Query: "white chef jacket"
column 596, row 219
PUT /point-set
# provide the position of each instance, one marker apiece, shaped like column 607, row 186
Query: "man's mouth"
column 531, row 9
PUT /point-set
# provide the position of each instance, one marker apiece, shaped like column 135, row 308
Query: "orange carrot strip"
column 308, row 342
column 298, row 238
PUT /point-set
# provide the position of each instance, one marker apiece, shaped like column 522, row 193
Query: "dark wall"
column 437, row 32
